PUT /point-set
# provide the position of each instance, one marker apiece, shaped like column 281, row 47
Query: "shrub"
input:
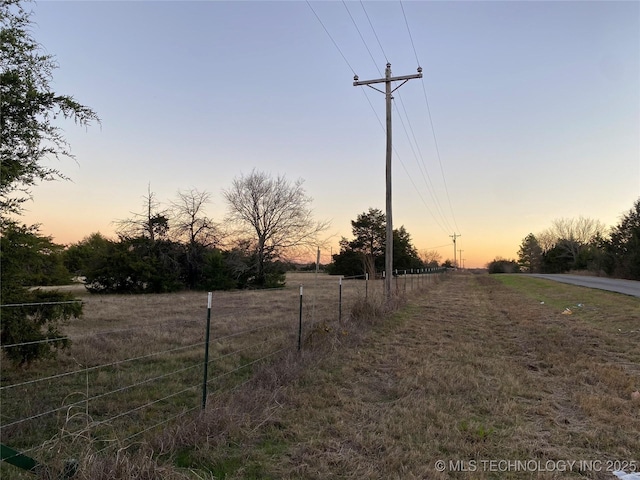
column 501, row 265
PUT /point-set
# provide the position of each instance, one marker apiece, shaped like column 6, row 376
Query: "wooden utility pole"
column 455, row 258
column 388, row 255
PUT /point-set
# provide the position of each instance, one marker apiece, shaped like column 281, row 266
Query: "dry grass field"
column 489, row 374
column 136, row 361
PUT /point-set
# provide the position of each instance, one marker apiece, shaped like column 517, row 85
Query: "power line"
column 430, row 190
column 403, row 126
column 374, row 31
column 345, row 58
column 428, row 183
column 435, row 141
column 439, row 246
column 408, row 30
column 361, row 37
column 416, row 188
column 433, row 132
column 424, row 171
column 404, row 167
column 332, row 40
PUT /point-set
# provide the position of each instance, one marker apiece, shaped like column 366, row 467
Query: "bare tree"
column 189, row 220
column 430, row 257
column 580, row 230
column 571, row 235
column 152, row 223
column 546, row 239
column 275, row 213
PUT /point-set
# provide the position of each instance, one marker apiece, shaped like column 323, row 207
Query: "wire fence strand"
column 112, row 364
column 37, row 304
column 247, row 364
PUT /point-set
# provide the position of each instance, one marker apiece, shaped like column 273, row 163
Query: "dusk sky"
column 534, row 108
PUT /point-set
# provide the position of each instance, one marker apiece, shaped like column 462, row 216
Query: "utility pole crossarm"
column 357, row 83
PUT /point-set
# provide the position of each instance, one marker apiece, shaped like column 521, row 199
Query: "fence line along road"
column 626, row 287
column 136, row 387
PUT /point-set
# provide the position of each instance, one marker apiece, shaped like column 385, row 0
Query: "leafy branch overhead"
column 29, row 109
column 30, row 135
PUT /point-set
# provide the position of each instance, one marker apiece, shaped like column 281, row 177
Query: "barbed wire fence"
column 122, row 383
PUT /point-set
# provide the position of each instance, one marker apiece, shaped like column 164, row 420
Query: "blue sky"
column 535, row 108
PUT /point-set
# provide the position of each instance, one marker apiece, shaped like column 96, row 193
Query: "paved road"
column 627, row 287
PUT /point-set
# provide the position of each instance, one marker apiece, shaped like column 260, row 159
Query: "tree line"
column 157, row 250
column 580, row 244
column 175, row 247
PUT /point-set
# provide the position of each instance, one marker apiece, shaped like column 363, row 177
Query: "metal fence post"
column 397, row 291
column 366, row 286
column 340, row 300
column 206, row 352
column 384, row 274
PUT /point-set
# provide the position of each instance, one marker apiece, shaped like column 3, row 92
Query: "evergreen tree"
column 405, row 255
column 624, row 245
column 30, row 319
column 365, row 253
column 368, row 230
column 530, row 254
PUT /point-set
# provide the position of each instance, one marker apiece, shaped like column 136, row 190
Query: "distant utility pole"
column 460, row 251
column 388, row 255
column 455, row 259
